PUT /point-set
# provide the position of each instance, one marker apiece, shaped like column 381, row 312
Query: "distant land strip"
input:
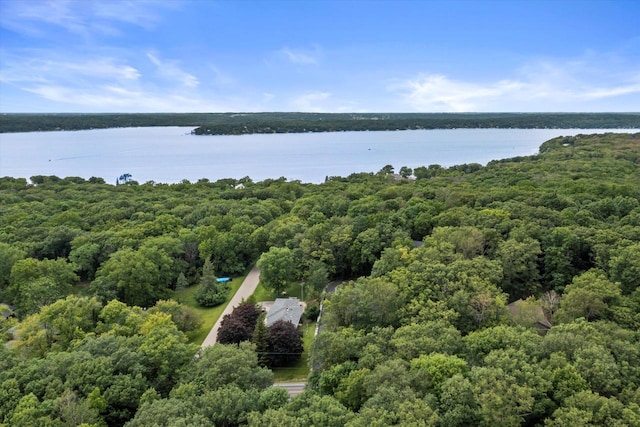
column 252, row 123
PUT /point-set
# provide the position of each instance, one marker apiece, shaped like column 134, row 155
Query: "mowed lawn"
column 293, row 289
column 209, row 316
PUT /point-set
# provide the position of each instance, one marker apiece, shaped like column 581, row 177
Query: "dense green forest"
column 497, row 295
column 245, row 123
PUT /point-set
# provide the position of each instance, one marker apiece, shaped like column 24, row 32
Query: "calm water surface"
column 171, row 154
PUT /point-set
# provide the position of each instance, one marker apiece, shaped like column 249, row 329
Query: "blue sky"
column 323, row 56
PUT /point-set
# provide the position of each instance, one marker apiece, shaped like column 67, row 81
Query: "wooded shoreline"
column 252, row 123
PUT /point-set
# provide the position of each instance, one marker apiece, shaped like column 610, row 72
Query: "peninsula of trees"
column 497, row 295
column 249, row 123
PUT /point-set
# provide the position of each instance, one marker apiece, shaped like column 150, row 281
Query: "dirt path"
column 244, row 291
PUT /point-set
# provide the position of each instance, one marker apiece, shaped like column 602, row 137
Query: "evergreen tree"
column 181, row 283
column 210, row 293
column 260, row 338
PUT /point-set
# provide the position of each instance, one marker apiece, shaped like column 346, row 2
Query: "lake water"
column 171, row 154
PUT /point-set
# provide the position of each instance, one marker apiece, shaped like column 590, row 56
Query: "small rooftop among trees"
column 287, row 309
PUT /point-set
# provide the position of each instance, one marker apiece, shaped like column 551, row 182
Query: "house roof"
column 287, row 309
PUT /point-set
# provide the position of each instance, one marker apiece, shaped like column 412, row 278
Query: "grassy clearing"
column 300, row 370
column 209, row 316
column 293, row 289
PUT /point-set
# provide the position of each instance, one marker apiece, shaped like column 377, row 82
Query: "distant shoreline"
column 266, row 123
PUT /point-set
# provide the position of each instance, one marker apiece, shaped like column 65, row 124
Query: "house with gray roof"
column 287, row 309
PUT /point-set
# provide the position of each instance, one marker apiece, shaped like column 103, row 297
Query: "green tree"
column 185, row 318
column 57, row 243
column 117, row 318
column 386, row 170
column 276, row 268
column 352, row 391
column 430, row 371
column 527, row 313
column 210, row 293
column 29, row 412
column 467, row 241
column 502, row 401
column 273, row 398
column 169, row 412
column 365, row 303
column 392, row 406
column 405, row 171
column 164, row 349
column 598, row 367
column 58, row 273
column 590, row 295
column 589, row 409
column 308, row 409
column 625, row 268
column 478, row 344
column 317, row 279
column 520, row 267
column 225, row 364
column 260, row 338
column 141, row 277
column 76, row 411
column 9, row 255
column 10, row 395
column 173, row 248
column 458, row 404
column 37, row 293
column 566, row 381
column 411, row 341
column 229, row 405
column 87, row 258
column 181, row 283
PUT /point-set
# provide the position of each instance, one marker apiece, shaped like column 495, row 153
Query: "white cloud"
column 28, row 16
column 103, row 68
column 439, row 93
column 83, row 18
column 171, row 71
column 115, row 98
column 540, row 86
column 142, row 13
column 299, row 56
column 599, row 93
column 36, row 67
column 100, row 83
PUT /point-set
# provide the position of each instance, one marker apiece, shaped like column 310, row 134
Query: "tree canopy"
column 495, row 295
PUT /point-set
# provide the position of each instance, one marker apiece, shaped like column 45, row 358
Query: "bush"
column 211, row 297
column 312, row 312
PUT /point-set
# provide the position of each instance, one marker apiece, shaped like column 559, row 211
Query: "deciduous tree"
column 285, row 343
column 590, row 295
column 276, row 268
